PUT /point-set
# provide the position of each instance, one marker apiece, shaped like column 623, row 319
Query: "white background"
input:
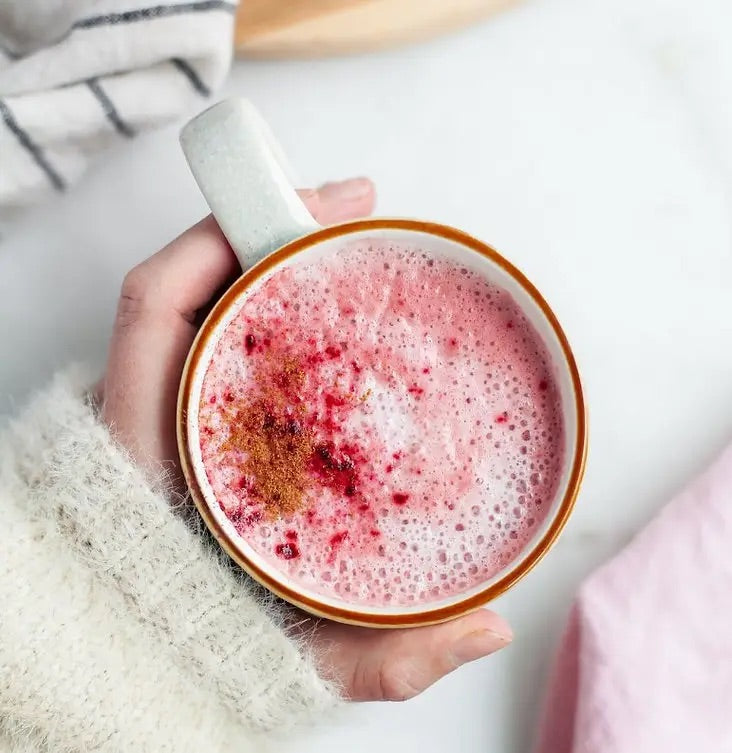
column 591, row 142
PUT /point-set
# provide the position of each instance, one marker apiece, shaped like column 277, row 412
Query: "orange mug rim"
column 347, row 614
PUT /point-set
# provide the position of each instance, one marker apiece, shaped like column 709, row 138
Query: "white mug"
column 243, row 175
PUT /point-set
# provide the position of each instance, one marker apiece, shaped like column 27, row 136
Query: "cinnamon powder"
column 269, row 430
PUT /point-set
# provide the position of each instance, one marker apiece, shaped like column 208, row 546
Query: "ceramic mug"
column 243, row 175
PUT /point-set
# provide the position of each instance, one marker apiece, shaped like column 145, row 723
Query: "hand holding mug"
column 158, row 314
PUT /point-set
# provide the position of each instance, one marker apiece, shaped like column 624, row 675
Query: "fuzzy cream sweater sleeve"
column 121, row 629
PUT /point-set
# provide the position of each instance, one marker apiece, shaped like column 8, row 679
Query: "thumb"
column 395, row 665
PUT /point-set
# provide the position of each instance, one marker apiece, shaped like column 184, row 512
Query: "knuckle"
column 136, row 282
column 135, row 296
column 395, row 683
column 361, row 684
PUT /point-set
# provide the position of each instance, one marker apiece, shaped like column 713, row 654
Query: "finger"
column 399, row 664
column 345, row 200
column 181, row 277
column 188, row 272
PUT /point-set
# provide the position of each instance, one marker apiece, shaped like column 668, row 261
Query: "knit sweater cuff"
column 221, row 626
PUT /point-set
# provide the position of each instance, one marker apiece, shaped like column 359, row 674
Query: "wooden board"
column 314, row 28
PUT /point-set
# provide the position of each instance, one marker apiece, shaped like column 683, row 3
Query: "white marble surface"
column 591, row 141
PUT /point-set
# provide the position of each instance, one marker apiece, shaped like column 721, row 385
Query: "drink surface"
column 383, row 425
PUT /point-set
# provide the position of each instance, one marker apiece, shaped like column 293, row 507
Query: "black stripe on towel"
column 190, row 73
column 155, row 11
column 31, row 147
column 109, row 109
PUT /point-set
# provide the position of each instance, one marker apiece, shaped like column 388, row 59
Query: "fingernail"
column 346, row 190
column 480, row 643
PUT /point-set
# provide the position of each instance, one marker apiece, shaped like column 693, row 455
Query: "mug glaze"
column 243, row 175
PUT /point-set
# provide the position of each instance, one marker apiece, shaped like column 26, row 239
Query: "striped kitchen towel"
column 77, row 75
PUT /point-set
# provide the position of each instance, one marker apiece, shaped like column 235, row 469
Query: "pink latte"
column 383, row 426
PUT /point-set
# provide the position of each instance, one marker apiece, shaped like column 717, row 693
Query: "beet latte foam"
column 382, row 425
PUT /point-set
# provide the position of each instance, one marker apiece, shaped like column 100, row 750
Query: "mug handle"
column 243, row 175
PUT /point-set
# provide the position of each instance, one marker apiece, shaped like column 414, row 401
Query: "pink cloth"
column 645, row 665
